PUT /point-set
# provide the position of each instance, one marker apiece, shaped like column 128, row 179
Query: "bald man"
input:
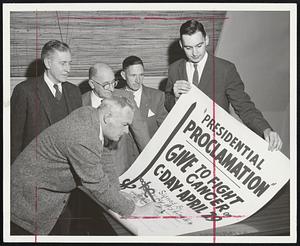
column 102, row 81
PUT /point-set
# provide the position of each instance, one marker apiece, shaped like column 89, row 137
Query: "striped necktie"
column 58, row 94
column 196, row 75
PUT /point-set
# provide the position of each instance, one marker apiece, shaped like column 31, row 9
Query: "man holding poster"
column 217, row 78
column 203, row 173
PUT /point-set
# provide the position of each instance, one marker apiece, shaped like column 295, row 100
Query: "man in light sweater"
column 70, row 154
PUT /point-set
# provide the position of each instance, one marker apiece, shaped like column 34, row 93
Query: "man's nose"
column 67, row 67
column 195, row 51
column 138, row 79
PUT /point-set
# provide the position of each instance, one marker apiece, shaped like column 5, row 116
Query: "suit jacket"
column 152, row 108
column 30, row 110
column 68, row 154
column 229, row 89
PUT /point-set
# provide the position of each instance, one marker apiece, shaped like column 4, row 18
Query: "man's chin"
column 195, row 60
column 64, row 79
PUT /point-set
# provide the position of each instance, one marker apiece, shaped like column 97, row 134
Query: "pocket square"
column 150, row 113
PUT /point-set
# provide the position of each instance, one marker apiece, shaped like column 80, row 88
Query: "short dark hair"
column 53, row 45
column 131, row 60
column 190, row 27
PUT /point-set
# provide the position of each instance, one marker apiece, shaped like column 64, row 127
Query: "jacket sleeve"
column 78, row 97
column 169, row 94
column 242, row 103
column 18, row 109
column 161, row 110
column 97, row 175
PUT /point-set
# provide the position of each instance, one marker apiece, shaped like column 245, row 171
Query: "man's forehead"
column 104, row 75
column 61, row 55
column 135, row 67
column 127, row 111
column 195, row 37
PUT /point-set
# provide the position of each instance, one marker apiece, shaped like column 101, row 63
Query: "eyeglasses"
column 107, row 85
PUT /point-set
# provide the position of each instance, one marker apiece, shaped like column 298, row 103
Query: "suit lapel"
column 43, row 94
column 206, row 77
column 144, row 107
column 182, row 70
column 67, row 96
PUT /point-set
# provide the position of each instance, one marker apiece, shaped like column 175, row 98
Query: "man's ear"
column 123, row 75
column 180, row 43
column 91, row 84
column 47, row 62
column 206, row 40
column 106, row 118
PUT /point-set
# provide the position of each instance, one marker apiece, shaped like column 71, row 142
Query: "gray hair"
column 53, row 45
column 116, row 101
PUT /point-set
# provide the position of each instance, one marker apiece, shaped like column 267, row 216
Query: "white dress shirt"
column 101, row 137
column 200, row 66
column 137, row 96
column 51, row 84
column 96, row 101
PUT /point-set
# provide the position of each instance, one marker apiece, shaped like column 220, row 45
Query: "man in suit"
column 39, row 102
column 70, row 153
column 203, row 69
column 102, row 81
column 150, row 101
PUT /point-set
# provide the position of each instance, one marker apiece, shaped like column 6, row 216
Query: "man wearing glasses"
column 102, row 81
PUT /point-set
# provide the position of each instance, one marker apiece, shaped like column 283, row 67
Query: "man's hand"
column 273, row 139
column 181, row 87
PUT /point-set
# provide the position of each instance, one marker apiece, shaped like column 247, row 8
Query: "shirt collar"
column 200, row 63
column 101, row 137
column 50, row 84
column 96, row 100
column 137, row 95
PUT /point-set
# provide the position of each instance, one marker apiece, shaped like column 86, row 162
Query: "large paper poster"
column 202, row 166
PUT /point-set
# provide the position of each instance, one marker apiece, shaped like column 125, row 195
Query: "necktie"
column 196, row 75
column 58, row 94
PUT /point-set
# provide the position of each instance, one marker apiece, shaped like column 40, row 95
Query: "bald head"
column 99, row 75
column 100, row 70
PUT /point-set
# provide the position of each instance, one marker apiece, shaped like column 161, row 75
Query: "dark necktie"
column 58, row 94
column 196, row 75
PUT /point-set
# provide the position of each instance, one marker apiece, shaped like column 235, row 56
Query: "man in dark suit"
column 217, row 78
column 39, row 102
column 150, row 101
column 70, row 153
